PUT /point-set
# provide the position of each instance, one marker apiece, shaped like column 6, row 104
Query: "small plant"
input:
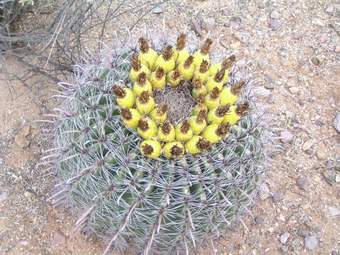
column 161, row 151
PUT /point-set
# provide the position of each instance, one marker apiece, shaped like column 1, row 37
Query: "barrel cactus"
column 158, row 193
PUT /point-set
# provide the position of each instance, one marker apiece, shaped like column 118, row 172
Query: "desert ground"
column 293, row 49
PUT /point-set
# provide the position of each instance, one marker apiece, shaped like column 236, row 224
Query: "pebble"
column 337, row 122
column 157, row 10
column 264, row 192
column 277, row 197
column 269, row 84
column 209, row 23
column 293, row 90
column 302, row 183
column 259, row 220
column 315, row 61
column 58, row 238
column 330, row 9
column 333, row 211
column 262, row 92
column 284, row 237
column 21, row 138
column 311, row 242
column 307, row 146
column 3, row 196
column 235, row 22
column 286, row 136
column 321, row 154
column 275, row 14
column 274, row 24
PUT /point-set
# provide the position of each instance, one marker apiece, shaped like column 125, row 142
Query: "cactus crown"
column 219, row 75
column 215, row 93
column 147, row 149
column 160, row 73
column 188, row 61
column 204, row 66
column 181, row 42
column 236, row 89
column 228, row 62
column 141, row 79
column 143, row 45
column 143, row 124
column 206, row 46
column 166, row 127
column 118, row 91
column 126, row 113
column 144, row 97
column 222, row 110
column 135, row 63
column 167, row 52
column 222, row 130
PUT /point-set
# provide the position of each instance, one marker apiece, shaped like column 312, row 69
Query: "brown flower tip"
column 135, row 63
column 167, row 52
column 176, row 151
column 197, row 84
column 204, row 66
column 242, row 109
column 236, row 89
column 163, row 108
column 200, row 98
column 141, row 78
column 144, row 97
column 206, row 46
column 228, row 62
column 118, row 91
column 176, row 74
column 147, row 149
column 214, row 94
column 166, row 127
column 143, row 124
column 219, row 75
column 126, row 113
column 185, row 127
column 188, row 61
column 203, row 144
column 222, row 110
column 201, row 116
column 181, row 42
column 143, row 45
column 160, row 73
column 222, row 130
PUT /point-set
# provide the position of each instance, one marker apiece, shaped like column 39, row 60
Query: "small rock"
column 3, row 196
column 58, row 238
column 337, row 178
column 269, row 84
column 302, row 183
column 286, row 136
column 275, row 14
column 24, row 243
column 311, row 242
column 337, row 122
column 277, row 197
column 21, row 138
column 235, row 22
column 158, row 9
column 307, row 146
column 333, row 211
column 27, row 194
column 264, row 192
column 303, row 233
column 321, row 154
column 335, row 253
column 209, row 23
column 259, row 220
column 284, row 237
column 262, row 92
column 329, row 9
column 294, row 90
column 315, row 61
column 274, row 24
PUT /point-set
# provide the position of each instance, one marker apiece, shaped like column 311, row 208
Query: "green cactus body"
column 158, row 206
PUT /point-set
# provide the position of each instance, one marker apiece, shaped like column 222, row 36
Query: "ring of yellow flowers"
column 215, row 110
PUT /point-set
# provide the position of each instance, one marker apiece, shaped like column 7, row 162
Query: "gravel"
column 337, row 122
column 284, row 237
column 286, row 136
column 302, row 183
column 311, row 242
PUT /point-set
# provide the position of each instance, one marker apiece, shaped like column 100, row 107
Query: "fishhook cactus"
column 161, row 151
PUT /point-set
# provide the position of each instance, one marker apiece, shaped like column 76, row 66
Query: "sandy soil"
column 294, row 49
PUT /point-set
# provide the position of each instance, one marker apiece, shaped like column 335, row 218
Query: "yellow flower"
column 151, row 148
